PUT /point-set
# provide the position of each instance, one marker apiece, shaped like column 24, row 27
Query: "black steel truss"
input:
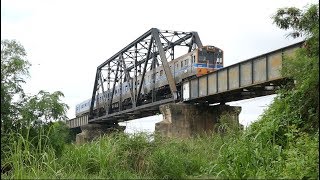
column 152, row 49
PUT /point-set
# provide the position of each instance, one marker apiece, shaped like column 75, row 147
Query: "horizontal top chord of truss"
column 152, row 49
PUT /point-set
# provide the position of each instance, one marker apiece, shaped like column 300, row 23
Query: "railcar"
column 199, row 62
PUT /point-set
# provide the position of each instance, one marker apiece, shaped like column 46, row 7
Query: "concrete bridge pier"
column 186, row 120
column 92, row 131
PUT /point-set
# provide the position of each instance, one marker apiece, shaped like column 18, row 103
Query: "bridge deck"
column 257, row 76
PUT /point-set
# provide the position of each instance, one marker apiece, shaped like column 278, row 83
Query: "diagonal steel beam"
column 197, row 39
column 167, row 70
column 109, row 105
column 145, row 68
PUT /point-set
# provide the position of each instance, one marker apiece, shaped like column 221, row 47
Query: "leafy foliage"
column 28, row 116
column 14, row 67
column 44, row 107
column 302, row 23
column 302, row 102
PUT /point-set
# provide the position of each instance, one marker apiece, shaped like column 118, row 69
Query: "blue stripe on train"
column 199, row 65
column 216, row 66
column 205, row 65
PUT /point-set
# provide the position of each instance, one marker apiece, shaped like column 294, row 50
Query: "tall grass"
column 30, row 157
column 240, row 154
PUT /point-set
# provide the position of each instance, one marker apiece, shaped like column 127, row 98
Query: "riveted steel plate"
column 212, row 83
column 246, row 73
column 259, row 70
column 222, row 80
column 233, row 77
column 203, row 86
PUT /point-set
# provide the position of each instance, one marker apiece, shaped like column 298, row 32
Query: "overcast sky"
column 66, row 40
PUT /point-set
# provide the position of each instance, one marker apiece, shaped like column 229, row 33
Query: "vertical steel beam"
column 135, row 74
column 112, row 93
column 172, row 53
column 127, row 79
column 191, row 44
column 120, row 97
column 165, row 64
column 108, row 87
column 103, row 93
column 153, row 76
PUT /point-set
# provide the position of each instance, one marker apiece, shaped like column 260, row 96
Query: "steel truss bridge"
column 257, row 76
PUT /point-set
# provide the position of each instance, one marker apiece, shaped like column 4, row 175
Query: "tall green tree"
column 303, row 99
column 23, row 115
column 296, row 107
column 14, row 68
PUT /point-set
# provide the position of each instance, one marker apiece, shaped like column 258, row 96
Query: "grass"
column 119, row 156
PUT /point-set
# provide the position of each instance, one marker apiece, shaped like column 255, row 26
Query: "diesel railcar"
column 199, row 62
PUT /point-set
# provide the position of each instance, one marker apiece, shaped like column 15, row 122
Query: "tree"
column 304, row 68
column 23, row 115
column 14, row 67
column 296, row 107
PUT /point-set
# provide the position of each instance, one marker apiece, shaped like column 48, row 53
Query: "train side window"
column 181, row 63
column 186, row 62
column 177, row 65
column 193, row 59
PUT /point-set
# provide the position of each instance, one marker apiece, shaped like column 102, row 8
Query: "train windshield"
column 211, row 56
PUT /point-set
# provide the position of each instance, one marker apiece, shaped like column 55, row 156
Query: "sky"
column 67, row 40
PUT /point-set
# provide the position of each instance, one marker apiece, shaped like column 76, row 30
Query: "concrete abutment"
column 92, row 131
column 186, row 120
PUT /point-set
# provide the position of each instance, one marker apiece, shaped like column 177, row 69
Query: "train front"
column 208, row 59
